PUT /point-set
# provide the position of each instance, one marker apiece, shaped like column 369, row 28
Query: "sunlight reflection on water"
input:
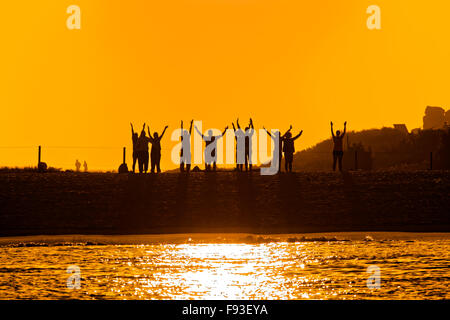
column 274, row 270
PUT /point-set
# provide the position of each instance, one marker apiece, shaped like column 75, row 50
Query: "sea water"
column 237, row 266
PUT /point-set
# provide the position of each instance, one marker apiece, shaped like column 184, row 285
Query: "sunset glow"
column 281, row 62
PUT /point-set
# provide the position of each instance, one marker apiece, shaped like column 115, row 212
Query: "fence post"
column 124, row 153
column 431, row 160
column 39, row 155
column 356, row 160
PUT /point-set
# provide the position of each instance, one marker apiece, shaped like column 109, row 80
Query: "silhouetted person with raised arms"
column 210, row 148
column 278, row 148
column 134, row 139
column 142, row 151
column 244, row 138
column 289, row 149
column 155, row 154
column 239, row 136
column 185, row 153
column 338, row 149
column 249, row 131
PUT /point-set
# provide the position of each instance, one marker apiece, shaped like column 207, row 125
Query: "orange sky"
column 282, row 62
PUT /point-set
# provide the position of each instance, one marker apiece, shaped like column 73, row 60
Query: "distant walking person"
column 155, row 154
column 338, row 150
column 289, row 150
column 85, row 166
column 77, row 165
column 210, row 148
column 142, row 151
column 134, row 139
column 278, row 148
column 185, row 153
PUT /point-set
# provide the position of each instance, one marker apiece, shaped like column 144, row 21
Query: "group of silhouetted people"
column 140, row 149
column 242, row 136
column 286, row 145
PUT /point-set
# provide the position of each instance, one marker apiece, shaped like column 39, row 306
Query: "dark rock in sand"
column 123, row 168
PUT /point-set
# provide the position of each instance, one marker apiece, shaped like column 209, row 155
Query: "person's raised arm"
column 237, row 123
column 164, row 131
column 332, row 132
column 132, row 129
column 182, row 131
column 198, row 131
column 345, row 128
column 234, row 128
column 270, row 135
column 289, row 130
column 251, row 129
column 224, row 131
column 190, row 127
column 148, row 130
column 298, row 136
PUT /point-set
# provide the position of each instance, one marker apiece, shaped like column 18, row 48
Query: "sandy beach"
column 223, row 202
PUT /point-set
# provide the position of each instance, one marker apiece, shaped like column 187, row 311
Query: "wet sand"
column 223, row 202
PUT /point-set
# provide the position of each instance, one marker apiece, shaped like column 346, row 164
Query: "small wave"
column 257, row 239
column 317, row 239
column 52, row 244
column 16, row 270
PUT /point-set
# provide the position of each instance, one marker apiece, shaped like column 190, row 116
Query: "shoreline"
column 220, row 238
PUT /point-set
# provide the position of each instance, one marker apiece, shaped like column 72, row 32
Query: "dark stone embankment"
column 102, row 203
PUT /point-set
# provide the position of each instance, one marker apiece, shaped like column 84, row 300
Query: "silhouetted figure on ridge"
column 210, row 148
column 289, row 150
column 85, row 166
column 185, row 153
column 77, row 165
column 278, row 147
column 338, row 149
column 238, row 136
column 243, row 145
column 142, row 151
column 134, row 139
column 155, row 154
